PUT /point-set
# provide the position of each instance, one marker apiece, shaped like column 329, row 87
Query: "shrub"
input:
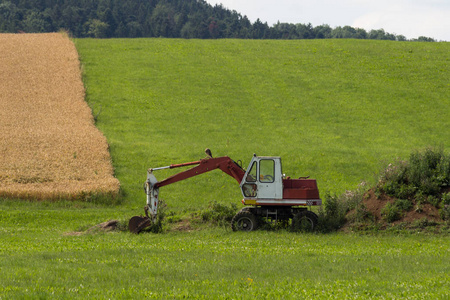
column 420, row 197
column 445, row 198
column 361, row 214
column 423, row 223
column 219, row 214
column 332, row 214
column 425, row 173
column 445, row 213
column 403, row 204
column 158, row 226
column 391, row 212
column 435, row 201
column 427, row 170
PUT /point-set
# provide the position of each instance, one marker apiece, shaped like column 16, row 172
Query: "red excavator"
column 267, row 192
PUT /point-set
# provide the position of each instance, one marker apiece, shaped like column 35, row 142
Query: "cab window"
column 266, row 170
column 251, row 176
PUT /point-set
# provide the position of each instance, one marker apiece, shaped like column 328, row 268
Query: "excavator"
column 267, row 192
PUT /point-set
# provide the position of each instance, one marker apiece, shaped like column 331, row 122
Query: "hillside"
column 49, row 145
column 336, row 110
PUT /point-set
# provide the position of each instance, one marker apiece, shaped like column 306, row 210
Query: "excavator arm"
column 152, row 185
column 224, row 163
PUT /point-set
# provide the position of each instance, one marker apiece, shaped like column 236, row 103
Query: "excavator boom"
column 224, row 163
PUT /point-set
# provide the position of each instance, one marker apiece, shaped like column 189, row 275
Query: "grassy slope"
column 336, row 109
column 332, row 109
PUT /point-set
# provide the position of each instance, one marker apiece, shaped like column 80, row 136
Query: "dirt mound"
column 102, row 227
column 49, row 145
column 375, row 205
column 373, row 209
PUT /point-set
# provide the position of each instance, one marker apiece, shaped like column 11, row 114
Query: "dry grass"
column 49, row 145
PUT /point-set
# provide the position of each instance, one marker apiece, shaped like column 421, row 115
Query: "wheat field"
column 49, row 145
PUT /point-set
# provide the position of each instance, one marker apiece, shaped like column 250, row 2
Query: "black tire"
column 244, row 221
column 304, row 221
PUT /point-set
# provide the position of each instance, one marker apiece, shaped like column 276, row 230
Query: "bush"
column 361, row 214
column 433, row 200
column 332, row 214
column 445, row 199
column 403, row 204
column 445, row 213
column 157, row 227
column 219, row 214
column 391, row 212
column 423, row 223
column 425, row 173
column 427, row 170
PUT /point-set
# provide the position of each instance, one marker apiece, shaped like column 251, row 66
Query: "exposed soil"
column 102, row 227
column 49, row 145
column 374, row 206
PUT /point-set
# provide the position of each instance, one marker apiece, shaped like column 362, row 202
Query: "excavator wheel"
column 244, row 220
column 137, row 223
column 304, row 221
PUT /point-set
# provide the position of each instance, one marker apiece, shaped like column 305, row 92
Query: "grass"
column 38, row 261
column 335, row 110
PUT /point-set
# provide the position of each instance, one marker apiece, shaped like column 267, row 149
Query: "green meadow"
column 336, row 110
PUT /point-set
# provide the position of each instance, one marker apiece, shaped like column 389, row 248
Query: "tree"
column 361, row 33
column 322, row 31
column 379, row 34
column 401, row 38
column 9, row 17
column 305, row 31
column 213, row 28
column 425, row 39
column 33, row 22
column 97, row 29
column 162, row 20
column 133, row 29
column 108, row 19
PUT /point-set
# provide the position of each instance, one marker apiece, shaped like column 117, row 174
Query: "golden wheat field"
column 49, row 145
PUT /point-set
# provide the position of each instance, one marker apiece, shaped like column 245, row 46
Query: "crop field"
column 337, row 110
column 49, row 145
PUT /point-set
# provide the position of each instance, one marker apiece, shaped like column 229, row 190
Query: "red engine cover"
column 300, row 189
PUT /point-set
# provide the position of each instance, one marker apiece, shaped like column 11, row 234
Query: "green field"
column 337, row 110
column 38, row 261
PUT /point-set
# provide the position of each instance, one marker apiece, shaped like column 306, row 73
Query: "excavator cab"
column 262, row 180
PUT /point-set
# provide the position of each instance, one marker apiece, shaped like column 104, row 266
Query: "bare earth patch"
column 375, row 205
column 49, row 145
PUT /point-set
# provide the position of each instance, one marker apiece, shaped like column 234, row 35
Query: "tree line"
column 161, row 18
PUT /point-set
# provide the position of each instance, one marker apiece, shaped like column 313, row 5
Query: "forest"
column 162, row 18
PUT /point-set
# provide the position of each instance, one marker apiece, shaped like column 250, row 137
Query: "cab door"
column 270, row 184
column 263, row 179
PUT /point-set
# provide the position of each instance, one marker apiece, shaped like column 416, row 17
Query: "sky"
column 411, row 18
